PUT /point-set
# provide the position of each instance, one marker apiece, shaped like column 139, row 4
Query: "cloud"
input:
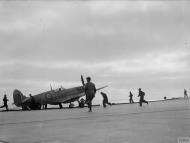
column 33, row 22
column 163, row 62
column 147, row 63
column 126, row 44
column 114, row 7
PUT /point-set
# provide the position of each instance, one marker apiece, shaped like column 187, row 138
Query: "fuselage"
column 59, row 96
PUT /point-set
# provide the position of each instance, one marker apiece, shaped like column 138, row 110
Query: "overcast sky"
column 122, row 44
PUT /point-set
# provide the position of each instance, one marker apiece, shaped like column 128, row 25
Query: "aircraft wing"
column 26, row 100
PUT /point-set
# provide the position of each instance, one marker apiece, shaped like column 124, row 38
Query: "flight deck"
column 157, row 122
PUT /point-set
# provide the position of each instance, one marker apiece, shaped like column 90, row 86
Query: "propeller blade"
column 101, row 87
column 51, row 87
column 82, row 80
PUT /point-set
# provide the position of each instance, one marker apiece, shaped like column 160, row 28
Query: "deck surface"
column 157, row 122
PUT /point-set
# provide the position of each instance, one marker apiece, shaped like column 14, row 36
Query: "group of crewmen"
column 141, row 95
column 90, row 91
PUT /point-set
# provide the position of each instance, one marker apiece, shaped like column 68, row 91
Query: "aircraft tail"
column 18, row 97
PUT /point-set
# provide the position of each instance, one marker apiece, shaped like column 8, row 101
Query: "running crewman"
column 5, row 102
column 90, row 91
column 105, row 99
column 141, row 95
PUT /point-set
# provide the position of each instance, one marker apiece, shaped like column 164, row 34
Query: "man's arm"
column 94, row 89
column 85, row 89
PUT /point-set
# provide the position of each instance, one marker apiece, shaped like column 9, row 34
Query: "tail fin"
column 18, row 97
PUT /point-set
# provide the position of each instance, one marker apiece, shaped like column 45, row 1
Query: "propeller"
column 62, row 87
column 51, row 87
column 82, row 80
column 101, row 87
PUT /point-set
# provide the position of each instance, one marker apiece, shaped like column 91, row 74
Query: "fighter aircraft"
column 53, row 97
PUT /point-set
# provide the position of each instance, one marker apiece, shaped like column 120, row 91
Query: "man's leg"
column 140, row 102
column 90, row 102
column 2, row 106
column 104, row 104
column 87, row 99
column 145, row 101
column 90, row 106
column 7, row 107
column 108, row 103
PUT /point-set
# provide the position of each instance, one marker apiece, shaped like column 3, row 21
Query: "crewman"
column 81, row 103
column 5, row 102
column 185, row 94
column 33, row 105
column 131, row 97
column 141, row 95
column 105, row 99
column 90, row 91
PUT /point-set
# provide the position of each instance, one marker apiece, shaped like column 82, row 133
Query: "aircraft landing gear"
column 24, row 108
column 60, row 106
column 71, row 105
column 44, row 106
column 81, row 103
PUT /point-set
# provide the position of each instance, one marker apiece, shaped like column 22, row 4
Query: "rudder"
column 18, row 97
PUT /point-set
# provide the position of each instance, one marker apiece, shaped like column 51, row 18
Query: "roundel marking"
column 48, row 95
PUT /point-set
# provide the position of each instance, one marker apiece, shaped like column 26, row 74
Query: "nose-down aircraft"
column 53, row 97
